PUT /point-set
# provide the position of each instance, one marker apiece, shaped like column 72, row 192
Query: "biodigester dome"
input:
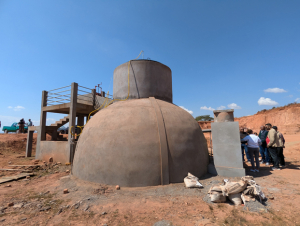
column 125, row 144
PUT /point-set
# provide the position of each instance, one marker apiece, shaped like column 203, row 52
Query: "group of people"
column 22, row 125
column 269, row 143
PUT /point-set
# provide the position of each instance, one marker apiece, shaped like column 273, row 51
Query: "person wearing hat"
column 273, row 146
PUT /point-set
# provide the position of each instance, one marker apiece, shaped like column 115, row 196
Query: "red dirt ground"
column 102, row 204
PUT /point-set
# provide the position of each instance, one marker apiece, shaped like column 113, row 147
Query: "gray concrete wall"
column 58, row 150
column 227, row 149
column 147, row 79
column 85, row 99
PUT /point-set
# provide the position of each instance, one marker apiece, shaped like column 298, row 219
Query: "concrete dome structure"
column 142, row 142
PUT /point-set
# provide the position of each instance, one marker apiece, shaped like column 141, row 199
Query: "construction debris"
column 16, row 177
column 245, row 190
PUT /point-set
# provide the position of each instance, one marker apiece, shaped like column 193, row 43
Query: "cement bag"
column 216, row 188
column 192, row 182
column 235, row 198
column 247, row 198
column 247, row 178
column 259, row 193
column 233, row 187
column 217, row 197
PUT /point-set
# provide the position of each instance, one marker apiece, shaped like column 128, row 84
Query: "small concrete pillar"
column 42, row 128
column 80, row 120
column 29, row 143
column 227, row 145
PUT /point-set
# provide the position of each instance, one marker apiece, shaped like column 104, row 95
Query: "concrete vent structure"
column 143, row 141
column 148, row 78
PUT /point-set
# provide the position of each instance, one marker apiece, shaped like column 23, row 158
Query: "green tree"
column 204, row 118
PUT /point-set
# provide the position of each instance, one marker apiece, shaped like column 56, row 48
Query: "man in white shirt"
column 253, row 148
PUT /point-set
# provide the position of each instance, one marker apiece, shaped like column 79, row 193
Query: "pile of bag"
column 237, row 192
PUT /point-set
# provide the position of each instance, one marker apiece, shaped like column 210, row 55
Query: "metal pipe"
column 84, row 87
column 57, row 101
column 58, row 88
column 60, row 91
column 51, row 97
column 84, row 91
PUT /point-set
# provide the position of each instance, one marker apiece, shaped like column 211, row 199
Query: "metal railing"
column 62, row 95
column 85, row 95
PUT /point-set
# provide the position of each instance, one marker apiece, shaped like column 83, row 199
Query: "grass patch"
column 235, row 218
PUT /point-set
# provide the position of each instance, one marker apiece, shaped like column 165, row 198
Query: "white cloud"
column 191, row 112
column 275, row 90
column 266, row 101
column 298, row 100
column 221, row 108
column 207, row 108
column 290, row 96
column 233, row 106
column 18, row 108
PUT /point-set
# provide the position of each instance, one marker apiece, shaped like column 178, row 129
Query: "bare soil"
column 40, row 200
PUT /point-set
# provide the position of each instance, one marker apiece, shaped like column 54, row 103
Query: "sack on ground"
column 217, row 197
column 247, row 178
column 192, row 182
column 216, row 188
column 233, row 187
column 247, row 198
column 235, row 198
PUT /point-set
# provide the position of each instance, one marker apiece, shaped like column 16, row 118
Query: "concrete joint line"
column 164, row 152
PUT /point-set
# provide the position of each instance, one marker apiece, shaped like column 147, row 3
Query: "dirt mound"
column 286, row 118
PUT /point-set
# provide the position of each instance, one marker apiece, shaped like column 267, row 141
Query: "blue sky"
column 222, row 54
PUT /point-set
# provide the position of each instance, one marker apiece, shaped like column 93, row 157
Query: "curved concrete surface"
column 122, row 145
column 147, row 79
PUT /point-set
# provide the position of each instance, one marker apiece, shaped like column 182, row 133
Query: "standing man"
column 253, row 147
column 280, row 148
column 21, row 125
column 273, row 147
column 263, row 147
column 29, row 122
column 244, row 144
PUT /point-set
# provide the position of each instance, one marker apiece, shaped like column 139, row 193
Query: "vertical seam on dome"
column 164, row 161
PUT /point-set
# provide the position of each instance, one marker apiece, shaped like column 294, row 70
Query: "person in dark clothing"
column 263, row 147
column 268, row 126
column 21, row 125
column 244, row 146
column 273, row 147
column 280, row 148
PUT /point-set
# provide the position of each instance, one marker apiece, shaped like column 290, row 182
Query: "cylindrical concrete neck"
column 147, row 78
column 223, row 115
